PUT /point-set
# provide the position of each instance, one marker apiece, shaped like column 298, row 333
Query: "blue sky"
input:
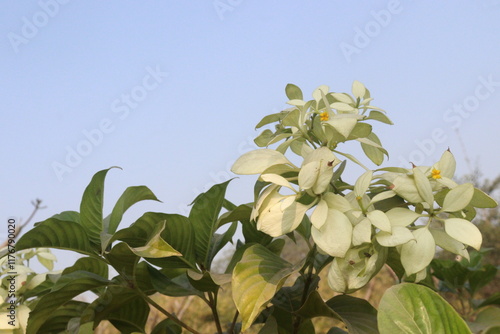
column 171, row 90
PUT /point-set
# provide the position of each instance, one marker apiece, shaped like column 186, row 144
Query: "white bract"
column 410, row 209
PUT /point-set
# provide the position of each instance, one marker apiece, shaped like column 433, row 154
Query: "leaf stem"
column 233, row 324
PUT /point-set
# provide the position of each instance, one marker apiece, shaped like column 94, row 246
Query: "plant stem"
column 307, row 285
column 213, row 306
column 233, row 324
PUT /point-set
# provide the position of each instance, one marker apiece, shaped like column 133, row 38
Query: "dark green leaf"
column 66, row 288
column 481, row 278
column 54, row 233
column 203, row 217
column 167, row 326
column 58, row 320
column 123, row 307
column 176, row 287
column 129, row 197
column 359, row 316
column 71, row 216
column 91, row 207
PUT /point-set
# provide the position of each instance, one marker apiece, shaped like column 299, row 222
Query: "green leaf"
column 494, row 299
column 123, row 307
column 156, row 246
column 264, row 138
column 91, row 207
column 480, row 278
column 375, row 154
column 410, row 308
column 71, row 216
column 379, row 116
column 176, row 287
column 58, row 320
column 487, row 321
column 178, row 233
column 68, row 287
column 219, row 241
column 269, row 119
column 451, row 272
column 482, row 200
column 256, row 278
column 239, row 213
column 90, row 264
column 123, row 260
column 129, row 197
column 314, row 307
column 257, row 161
column 204, row 218
column 167, row 326
column 359, row 316
column 54, row 233
column 293, row 92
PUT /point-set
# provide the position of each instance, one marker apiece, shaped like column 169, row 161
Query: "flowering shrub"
column 393, row 216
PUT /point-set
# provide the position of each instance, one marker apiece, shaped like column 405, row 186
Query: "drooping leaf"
column 256, row 278
column 411, row 308
column 156, row 246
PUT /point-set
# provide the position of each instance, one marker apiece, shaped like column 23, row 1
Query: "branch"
column 37, row 206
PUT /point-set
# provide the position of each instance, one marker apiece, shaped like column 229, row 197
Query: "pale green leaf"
column 446, row 242
column 293, row 92
column 362, row 183
column 379, row 220
column 257, row 161
column 358, row 89
column 362, row 232
column 463, row 231
column 415, row 309
column 423, row 186
column 256, row 278
column 319, row 215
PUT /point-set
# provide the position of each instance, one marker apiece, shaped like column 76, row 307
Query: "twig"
column 37, row 204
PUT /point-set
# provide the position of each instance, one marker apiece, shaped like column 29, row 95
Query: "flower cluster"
column 410, row 210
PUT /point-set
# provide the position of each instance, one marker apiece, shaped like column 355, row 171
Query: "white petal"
column 257, row 161
column 463, row 231
column 379, row 220
column 362, row 232
column 401, row 216
column 337, row 202
column 362, row 183
column 399, row 236
column 335, row 235
column 318, row 217
column 417, row 254
column 358, row 89
column 276, row 179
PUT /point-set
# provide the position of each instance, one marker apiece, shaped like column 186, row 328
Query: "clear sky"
column 171, row 90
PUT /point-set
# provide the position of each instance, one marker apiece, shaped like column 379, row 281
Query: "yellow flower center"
column 324, row 116
column 436, row 174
